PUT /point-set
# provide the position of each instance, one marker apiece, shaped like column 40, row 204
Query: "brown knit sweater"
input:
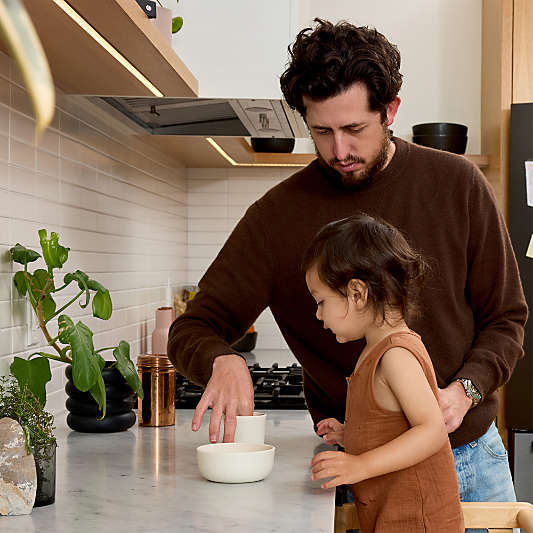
column 473, row 306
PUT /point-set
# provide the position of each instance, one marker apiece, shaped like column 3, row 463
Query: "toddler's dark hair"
column 373, row 251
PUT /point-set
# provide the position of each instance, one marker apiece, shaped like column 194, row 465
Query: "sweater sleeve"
column 235, row 289
column 494, row 291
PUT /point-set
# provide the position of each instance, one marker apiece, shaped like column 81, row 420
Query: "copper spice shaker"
column 158, row 379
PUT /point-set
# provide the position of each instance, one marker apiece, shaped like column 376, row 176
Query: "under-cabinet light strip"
column 234, row 163
column 110, row 49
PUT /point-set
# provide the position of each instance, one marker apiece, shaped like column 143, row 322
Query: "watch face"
column 470, row 390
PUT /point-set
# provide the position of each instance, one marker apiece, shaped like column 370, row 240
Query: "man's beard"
column 359, row 179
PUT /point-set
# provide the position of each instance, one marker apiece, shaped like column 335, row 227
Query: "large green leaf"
column 49, row 308
column 78, row 276
column 20, row 282
column 21, row 254
column 97, row 391
column 54, row 254
column 42, row 282
column 21, row 39
column 82, row 279
column 127, row 368
column 102, row 306
column 33, row 373
column 85, row 364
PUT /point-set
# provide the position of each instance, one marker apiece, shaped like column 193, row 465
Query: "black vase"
column 45, row 466
column 84, row 414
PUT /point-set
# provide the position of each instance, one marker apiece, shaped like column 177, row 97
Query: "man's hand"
column 331, row 430
column 454, row 404
column 229, row 392
column 343, row 467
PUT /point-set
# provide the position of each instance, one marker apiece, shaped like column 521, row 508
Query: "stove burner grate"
column 275, row 387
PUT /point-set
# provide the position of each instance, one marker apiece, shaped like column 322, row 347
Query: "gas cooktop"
column 275, row 387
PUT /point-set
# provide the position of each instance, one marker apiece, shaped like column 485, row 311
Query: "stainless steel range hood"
column 247, row 117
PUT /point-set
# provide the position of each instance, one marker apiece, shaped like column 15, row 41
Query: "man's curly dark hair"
column 327, row 60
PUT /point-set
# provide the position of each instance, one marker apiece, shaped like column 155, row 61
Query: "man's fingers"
column 230, row 424
column 214, row 424
column 201, row 408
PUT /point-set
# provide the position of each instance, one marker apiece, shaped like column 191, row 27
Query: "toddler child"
column 364, row 278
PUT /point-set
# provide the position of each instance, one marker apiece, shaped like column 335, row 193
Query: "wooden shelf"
column 196, row 152
column 82, row 66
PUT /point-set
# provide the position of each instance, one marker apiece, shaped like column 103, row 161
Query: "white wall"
column 118, row 205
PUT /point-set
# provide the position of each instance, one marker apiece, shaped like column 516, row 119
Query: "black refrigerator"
column 519, row 409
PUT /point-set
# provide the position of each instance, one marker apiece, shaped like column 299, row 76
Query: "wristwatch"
column 470, row 390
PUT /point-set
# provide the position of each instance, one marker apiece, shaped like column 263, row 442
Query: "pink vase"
column 164, row 316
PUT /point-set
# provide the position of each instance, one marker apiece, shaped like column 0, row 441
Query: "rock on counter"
column 146, row 479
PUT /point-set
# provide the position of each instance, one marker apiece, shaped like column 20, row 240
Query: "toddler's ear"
column 358, row 291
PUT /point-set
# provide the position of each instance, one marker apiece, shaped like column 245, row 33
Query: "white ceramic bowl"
column 235, row 462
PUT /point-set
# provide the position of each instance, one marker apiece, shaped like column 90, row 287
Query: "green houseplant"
column 20, row 404
column 73, row 343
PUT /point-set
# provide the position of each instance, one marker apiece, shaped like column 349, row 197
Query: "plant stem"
column 33, row 301
column 51, row 356
column 61, row 288
column 65, row 306
column 104, row 349
column 48, row 337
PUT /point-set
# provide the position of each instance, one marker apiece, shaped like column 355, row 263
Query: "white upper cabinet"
column 236, row 49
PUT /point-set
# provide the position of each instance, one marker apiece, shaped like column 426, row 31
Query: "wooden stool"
column 497, row 517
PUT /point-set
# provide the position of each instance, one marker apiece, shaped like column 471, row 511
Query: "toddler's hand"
column 331, row 430
column 343, row 467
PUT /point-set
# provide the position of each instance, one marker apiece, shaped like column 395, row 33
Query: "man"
column 345, row 81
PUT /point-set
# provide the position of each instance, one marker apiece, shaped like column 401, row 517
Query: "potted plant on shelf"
column 20, row 404
column 94, row 384
column 165, row 22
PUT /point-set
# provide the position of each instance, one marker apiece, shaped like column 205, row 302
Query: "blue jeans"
column 483, row 471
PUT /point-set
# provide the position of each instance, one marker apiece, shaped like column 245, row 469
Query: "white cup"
column 251, row 428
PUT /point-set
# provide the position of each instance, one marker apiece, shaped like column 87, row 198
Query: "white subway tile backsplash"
column 4, row 168
column 256, row 187
column 207, row 186
column 20, row 100
column 244, row 199
column 120, row 208
column 207, row 199
column 199, row 225
column 47, row 163
column 49, row 141
column 4, row 110
column 21, row 154
column 4, row 147
column 4, row 94
column 22, row 128
column 206, row 237
column 207, row 212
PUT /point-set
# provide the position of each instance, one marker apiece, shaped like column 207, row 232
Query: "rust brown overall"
column 421, row 498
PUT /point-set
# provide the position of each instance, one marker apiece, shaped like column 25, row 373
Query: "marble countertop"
column 146, row 479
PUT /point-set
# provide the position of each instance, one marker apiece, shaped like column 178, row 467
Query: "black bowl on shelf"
column 440, row 128
column 448, row 143
column 283, row 145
